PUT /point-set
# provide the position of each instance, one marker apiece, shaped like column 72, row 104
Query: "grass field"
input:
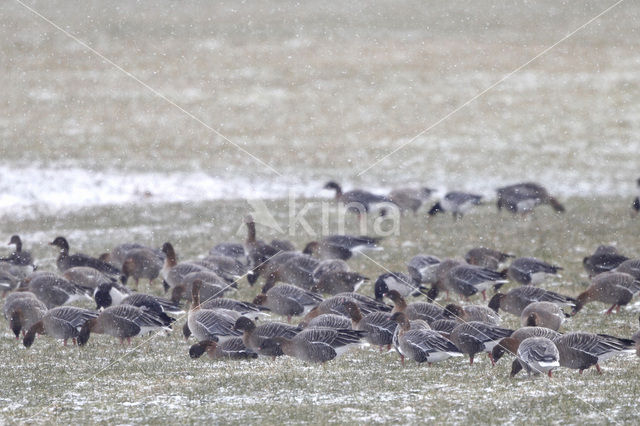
column 155, row 381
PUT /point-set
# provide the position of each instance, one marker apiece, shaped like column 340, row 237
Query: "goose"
column 233, row 250
column 293, row 268
column 232, row 348
column 339, row 282
column 66, row 260
column 530, row 271
column 213, row 286
column 474, row 337
column 402, row 283
column 439, row 276
column 471, row 313
column 604, row 259
column 445, row 326
column 253, row 336
column 357, row 200
column 23, row 312
column 19, row 257
column 317, row 345
column 467, row 280
column 421, row 344
column 86, row 277
column 245, row 308
column 12, row 297
column 329, row 266
column 410, row 199
column 210, row 324
column 422, row 268
column 458, row 203
column 579, row 351
column 543, row 314
column 614, row 288
column 377, row 326
column 258, row 252
column 142, row 263
column 123, row 322
column 173, row 272
column 519, row 298
column 330, row 320
column 524, row 197
column 282, row 245
column 366, row 303
column 110, row 294
column 117, row 255
column 342, row 246
column 417, row 310
column 63, row 322
column 287, row 300
column 54, row 290
column 631, row 267
column 486, row 257
column 229, row 268
column 536, row 355
column 510, row 344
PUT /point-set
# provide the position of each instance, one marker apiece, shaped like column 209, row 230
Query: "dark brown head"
column 61, row 243
column 196, row 286
column 260, row 300
column 495, row 301
column 532, row 320
column 506, row 345
column 397, row 299
column 244, row 324
column 273, row 346
column 169, row 252
column 196, row 350
column 177, row 293
column 353, row 310
column 335, row 186
column 128, row 267
column 311, row 248
column 556, row 205
column 453, row 311
column 186, row 331
column 31, row 334
column 515, row 367
column 582, row 299
column 402, row 320
column 85, row 331
column 15, row 240
column 15, row 322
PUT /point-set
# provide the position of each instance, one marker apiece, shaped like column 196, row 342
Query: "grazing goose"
column 580, row 351
column 410, row 199
column 13, row 297
column 118, row 253
column 524, row 197
column 543, row 314
column 232, row 348
column 474, row 337
column 402, row 283
column 283, row 245
column 631, row 267
column 19, row 257
column 366, row 303
column 377, row 326
column 329, row 266
column 420, row 344
column 331, row 321
column 287, row 300
column 604, row 259
column 439, row 276
column 233, row 250
column 339, row 282
column 536, row 355
column 341, row 246
column 458, row 203
column 212, row 286
column 357, row 200
column 253, row 336
column 229, row 268
column 296, row 269
column 519, row 298
column 258, row 252
column 85, row 276
column 54, row 290
column 108, row 294
column 422, row 268
column 486, row 257
column 530, row 271
column 173, row 272
column 64, row 322
column 23, row 312
column 510, row 344
column 142, row 263
column 66, row 260
column 314, row 344
column 123, row 322
column 417, row 310
column 471, row 313
column 614, row 288
column 467, row 280
column 210, row 324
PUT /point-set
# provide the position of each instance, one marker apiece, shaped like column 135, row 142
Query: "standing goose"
column 486, row 257
column 173, row 272
column 314, row 344
column 475, row 337
column 467, row 280
column 54, row 290
column 212, row 287
column 519, row 298
column 23, row 312
column 439, row 276
column 422, row 268
column 378, row 327
column 66, row 260
column 530, row 271
column 417, row 310
column 613, row 288
column 356, row 200
column 543, row 314
column 232, row 348
column 341, row 246
column 19, row 257
column 258, row 252
column 402, row 283
column 510, row 344
column 458, row 203
column 64, row 322
column 142, row 263
column 471, row 313
column 420, row 344
column 580, row 351
column 253, row 336
column 287, row 300
column 604, row 259
column 410, row 199
column 536, row 355
column 122, row 322
column 524, row 197
column 210, row 324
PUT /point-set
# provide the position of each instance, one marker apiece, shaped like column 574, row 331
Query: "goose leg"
column 402, row 359
column 598, row 368
column 610, row 309
column 550, row 373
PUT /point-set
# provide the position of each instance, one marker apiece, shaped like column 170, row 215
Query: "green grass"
column 154, row 380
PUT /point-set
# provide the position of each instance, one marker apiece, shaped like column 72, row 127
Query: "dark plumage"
column 341, row 246
column 524, row 197
column 458, row 203
column 66, row 260
column 357, row 200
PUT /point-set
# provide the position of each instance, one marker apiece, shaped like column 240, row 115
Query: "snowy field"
column 315, row 91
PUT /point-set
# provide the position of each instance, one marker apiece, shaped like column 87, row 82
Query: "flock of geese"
column 318, row 288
